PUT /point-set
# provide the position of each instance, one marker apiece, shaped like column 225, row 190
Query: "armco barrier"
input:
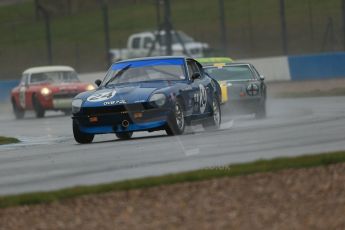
column 320, row 66
column 5, row 89
column 273, row 68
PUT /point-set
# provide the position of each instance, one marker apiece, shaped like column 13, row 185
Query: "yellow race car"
column 243, row 88
column 218, row 62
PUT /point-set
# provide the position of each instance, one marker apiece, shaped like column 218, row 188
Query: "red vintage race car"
column 47, row 88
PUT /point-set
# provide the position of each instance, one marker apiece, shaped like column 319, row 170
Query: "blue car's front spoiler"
column 113, row 123
column 102, row 129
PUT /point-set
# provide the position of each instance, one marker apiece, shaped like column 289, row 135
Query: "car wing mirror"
column 196, row 76
column 98, row 82
column 262, row 77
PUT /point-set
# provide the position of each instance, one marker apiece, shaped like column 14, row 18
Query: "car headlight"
column 76, row 105
column 45, row 91
column 159, row 99
column 90, row 87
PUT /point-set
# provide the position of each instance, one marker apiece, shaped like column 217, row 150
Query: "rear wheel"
column 213, row 123
column 261, row 111
column 18, row 112
column 39, row 110
column 124, row 136
column 176, row 122
column 80, row 137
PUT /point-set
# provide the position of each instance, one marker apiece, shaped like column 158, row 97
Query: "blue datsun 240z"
column 147, row 94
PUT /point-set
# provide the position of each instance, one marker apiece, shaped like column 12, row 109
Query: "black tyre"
column 124, row 136
column 176, row 122
column 39, row 110
column 213, row 123
column 18, row 112
column 80, row 137
column 261, row 111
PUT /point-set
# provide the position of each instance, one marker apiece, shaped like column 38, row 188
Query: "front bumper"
column 59, row 101
column 112, row 122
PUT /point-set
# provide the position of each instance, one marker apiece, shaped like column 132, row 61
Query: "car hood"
column 123, row 94
column 63, row 87
column 69, row 86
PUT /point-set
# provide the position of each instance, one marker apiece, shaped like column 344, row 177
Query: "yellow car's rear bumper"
column 224, row 89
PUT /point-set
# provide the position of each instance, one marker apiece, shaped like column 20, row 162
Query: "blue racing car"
column 148, row 94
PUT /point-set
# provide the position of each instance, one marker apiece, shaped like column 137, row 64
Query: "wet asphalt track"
column 48, row 158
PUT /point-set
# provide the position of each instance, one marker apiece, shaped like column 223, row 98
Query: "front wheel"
column 18, row 112
column 80, row 137
column 39, row 110
column 176, row 123
column 124, row 136
column 213, row 123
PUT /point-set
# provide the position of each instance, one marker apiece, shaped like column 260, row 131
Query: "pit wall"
column 302, row 67
column 285, row 68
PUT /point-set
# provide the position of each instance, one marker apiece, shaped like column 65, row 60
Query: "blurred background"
column 249, row 28
column 285, row 39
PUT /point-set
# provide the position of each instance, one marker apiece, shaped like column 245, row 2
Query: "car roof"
column 211, row 60
column 42, row 69
column 153, row 58
column 154, row 32
column 214, row 65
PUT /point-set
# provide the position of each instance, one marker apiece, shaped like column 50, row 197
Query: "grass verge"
column 8, row 140
column 259, row 166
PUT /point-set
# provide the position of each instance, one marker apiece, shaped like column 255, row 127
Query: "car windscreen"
column 145, row 71
column 54, row 77
column 230, row 73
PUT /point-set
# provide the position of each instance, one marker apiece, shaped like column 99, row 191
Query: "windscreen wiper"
column 124, row 69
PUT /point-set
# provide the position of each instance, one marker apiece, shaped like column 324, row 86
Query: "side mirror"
column 98, row 82
column 262, row 77
column 196, row 76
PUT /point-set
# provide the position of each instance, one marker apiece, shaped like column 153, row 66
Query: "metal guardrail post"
column 223, row 31
column 283, row 27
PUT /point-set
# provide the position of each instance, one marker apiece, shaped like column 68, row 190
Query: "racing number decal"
column 203, row 98
column 22, row 96
column 101, row 96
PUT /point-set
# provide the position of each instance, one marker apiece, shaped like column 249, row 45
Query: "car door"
column 200, row 88
column 135, row 47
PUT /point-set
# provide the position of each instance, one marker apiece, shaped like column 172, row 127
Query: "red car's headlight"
column 45, row 91
column 90, row 87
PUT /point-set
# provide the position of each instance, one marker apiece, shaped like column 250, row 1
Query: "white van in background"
column 139, row 45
